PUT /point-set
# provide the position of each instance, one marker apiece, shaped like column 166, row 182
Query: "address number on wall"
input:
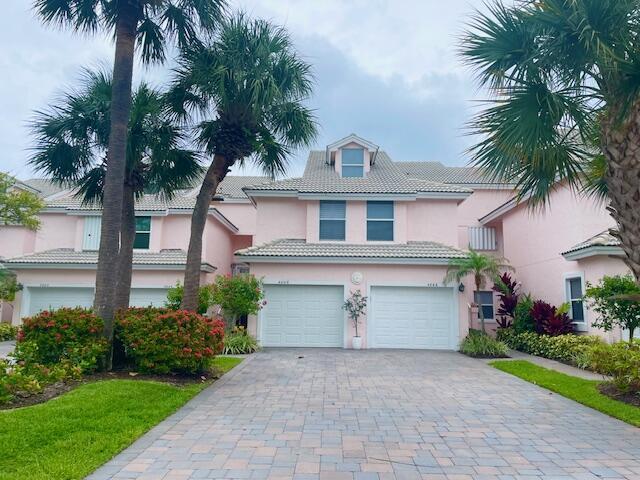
column 283, row 282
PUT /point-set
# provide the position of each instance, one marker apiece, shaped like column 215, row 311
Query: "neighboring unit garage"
column 303, row 316
column 38, row 299
column 412, row 317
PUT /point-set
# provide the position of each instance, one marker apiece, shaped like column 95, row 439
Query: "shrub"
column 238, row 295
column 507, row 289
column 478, row 344
column 158, row 340
column 205, row 298
column 29, row 379
column 71, row 335
column 7, row 332
column 615, row 312
column 565, row 348
column 522, row 320
column 239, row 341
column 621, row 361
column 550, row 320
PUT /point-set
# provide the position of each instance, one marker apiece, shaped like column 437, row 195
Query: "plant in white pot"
column 355, row 307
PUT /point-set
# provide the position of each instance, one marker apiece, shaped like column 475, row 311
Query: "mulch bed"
column 56, row 389
column 610, row 390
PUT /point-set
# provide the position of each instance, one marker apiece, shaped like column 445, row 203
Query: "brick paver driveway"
column 337, row 414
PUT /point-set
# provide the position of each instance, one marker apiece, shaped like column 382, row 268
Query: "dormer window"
column 353, row 162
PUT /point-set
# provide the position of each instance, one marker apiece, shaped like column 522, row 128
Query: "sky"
column 386, row 70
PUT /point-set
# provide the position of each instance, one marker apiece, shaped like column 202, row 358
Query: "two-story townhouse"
column 357, row 220
column 56, row 264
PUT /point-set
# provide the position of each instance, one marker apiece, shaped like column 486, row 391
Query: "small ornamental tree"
column 611, row 310
column 238, row 295
column 205, row 298
column 355, row 307
column 18, row 207
column 9, row 285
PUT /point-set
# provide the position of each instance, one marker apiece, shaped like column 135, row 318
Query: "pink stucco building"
column 356, row 220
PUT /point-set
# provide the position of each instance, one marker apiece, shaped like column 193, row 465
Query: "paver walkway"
column 376, row 415
column 6, row 348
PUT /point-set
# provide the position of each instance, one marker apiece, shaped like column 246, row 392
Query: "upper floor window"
column 143, row 233
column 379, row 221
column 574, row 292
column 332, row 219
column 353, row 162
column 91, row 240
column 482, row 238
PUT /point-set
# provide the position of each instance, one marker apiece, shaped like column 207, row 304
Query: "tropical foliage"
column 566, row 102
column 72, row 140
column 613, row 311
column 7, row 332
column 620, row 361
column 551, row 320
column 480, row 267
column 247, row 90
column 150, row 26
column 481, row 345
column 239, row 341
column 507, row 289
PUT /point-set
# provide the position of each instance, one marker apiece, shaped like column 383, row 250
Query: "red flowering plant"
column 68, row 335
column 159, row 340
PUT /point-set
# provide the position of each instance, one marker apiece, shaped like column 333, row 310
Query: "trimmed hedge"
column 159, row 340
column 568, row 348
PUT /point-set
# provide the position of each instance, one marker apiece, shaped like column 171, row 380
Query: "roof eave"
column 343, row 260
column 206, row 267
column 593, row 251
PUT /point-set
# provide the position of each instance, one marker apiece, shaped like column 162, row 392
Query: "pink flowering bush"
column 159, row 340
column 67, row 335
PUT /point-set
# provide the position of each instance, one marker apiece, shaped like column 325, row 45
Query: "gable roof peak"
column 352, row 138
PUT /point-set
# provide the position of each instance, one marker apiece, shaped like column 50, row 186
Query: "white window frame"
column 336, row 219
column 580, row 325
column 480, row 305
column 143, row 231
column 392, row 220
column 360, row 165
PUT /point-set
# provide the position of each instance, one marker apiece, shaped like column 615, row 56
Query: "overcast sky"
column 385, row 69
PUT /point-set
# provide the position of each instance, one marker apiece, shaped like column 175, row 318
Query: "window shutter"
column 91, row 240
column 482, row 238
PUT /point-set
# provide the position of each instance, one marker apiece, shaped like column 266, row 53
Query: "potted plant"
column 355, row 307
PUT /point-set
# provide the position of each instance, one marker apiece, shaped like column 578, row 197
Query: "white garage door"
column 413, row 317
column 303, row 316
column 144, row 297
column 52, row 298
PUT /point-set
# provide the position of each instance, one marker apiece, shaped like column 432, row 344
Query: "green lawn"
column 70, row 436
column 578, row 389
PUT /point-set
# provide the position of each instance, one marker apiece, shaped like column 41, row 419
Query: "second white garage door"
column 412, row 317
column 303, row 316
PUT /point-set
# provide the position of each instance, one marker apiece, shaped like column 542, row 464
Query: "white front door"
column 303, row 316
column 52, row 298
column 412, row 317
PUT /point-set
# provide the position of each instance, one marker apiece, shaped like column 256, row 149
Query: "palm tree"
column 480, row 266
column 249, row 86
column 565, row 75
column 72, row 140
column 147, row 25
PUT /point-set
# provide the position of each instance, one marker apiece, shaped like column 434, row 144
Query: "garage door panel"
column 303, row 316
column 53, row 298
column 412, row 317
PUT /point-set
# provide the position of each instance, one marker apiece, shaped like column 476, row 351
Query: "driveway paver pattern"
column 379, row 415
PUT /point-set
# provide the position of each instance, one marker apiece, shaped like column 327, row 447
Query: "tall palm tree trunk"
column 622, row 149
column 125, row 257
column 106, row 275
column 215, row 174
